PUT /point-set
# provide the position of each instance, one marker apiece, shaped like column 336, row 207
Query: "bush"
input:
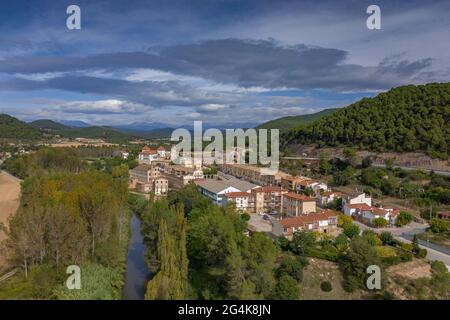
column 386, row 238
column 403, row 219
column 379, row 222
column 421, row 253
column 439, row 225
column 351, row 230
column 326, row 286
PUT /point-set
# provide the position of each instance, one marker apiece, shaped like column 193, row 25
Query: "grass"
column 321, row 270
column 441, row 239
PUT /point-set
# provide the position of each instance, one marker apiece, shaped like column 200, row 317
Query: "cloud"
column 245, row 63
column 110, row 106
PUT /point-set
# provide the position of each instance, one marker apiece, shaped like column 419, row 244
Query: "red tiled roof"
column 361, row 206
column 267, row 189
column 236, row 194
column 444, row 213
column 310, row 218
column 299, row 197
column 161, row 148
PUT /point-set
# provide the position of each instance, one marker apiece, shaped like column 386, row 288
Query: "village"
column 278, row 204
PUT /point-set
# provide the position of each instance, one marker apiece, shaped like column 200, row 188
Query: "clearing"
column 321, row 270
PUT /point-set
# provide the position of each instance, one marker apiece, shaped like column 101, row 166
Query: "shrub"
column 344, row 219
column 403, row 219
column 351, row 230
column 421, row 253
column 439, row 225
column 379, row 222
column 326, row 286
column 386, row 238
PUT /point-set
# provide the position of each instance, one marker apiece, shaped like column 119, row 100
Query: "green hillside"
column 408, row 118
column 12, row 128
column 95, row 132
column 48, row 125
column 286, row 123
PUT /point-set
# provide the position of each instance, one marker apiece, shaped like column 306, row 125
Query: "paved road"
column 432, row 254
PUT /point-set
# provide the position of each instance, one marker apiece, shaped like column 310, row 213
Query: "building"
column 142, row 173
column 443, row 215
column 161, row 152
column 214, row 189
column 256, row 200
column 325, row 198
column 253, row 174
column 161, row 186
column 295, row 204
column 147, row 155
column 239, row 199
column 356, row 199
column 321, row 222
column 267, row 199
column 366, row 213
column 290, row 183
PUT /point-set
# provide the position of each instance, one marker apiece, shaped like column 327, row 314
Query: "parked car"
column 266, row 217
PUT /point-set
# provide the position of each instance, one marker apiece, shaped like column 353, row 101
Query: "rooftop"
column 310, row 218
column 299, row 197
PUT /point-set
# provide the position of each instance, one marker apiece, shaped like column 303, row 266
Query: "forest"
column 408, row 118
column 69, row 214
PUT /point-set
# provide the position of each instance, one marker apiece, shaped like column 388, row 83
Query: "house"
column 357, row 198
column 321, row 222
column 389, row 214
column 161, row 151
column 290, row 182
column 147, row 155
column 326, row 197
column 294, row 204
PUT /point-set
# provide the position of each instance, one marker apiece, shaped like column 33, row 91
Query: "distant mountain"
column 12, row 128
column 46, row 124
column 403, row 119
column 75, row 123
column 141, row 126
column 96, row 132
column 286, row 123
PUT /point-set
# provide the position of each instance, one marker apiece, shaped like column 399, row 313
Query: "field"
column 9, row 199
column 321, row 270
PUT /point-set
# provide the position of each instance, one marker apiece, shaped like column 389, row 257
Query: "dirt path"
column 9, row 199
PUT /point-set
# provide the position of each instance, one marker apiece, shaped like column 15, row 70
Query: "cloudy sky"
column 220, row 61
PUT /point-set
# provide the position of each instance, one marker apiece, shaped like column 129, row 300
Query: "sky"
column 224, row 62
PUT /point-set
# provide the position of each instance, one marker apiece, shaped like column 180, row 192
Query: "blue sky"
column 220, row 61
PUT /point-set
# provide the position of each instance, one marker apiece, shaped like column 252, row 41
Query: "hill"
column 95, row 132
column 46, row 124
column 286, row 123
column 12, row 128
column 407, row 118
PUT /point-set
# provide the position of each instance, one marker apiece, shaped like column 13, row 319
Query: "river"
column 137, row 273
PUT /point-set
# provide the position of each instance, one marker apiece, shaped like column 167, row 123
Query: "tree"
column 286, row 289
column 379, row 222
column 167, row 284
column 326, row 286
column 351, row 230
column 439, row 225
column 371, row 238
column 354, row 264
column 403, row 218
column 386, row 238
column 302, row 242
column 292, row 266
column 344, row 219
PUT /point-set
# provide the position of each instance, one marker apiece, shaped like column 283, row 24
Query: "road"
column 432, row 254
